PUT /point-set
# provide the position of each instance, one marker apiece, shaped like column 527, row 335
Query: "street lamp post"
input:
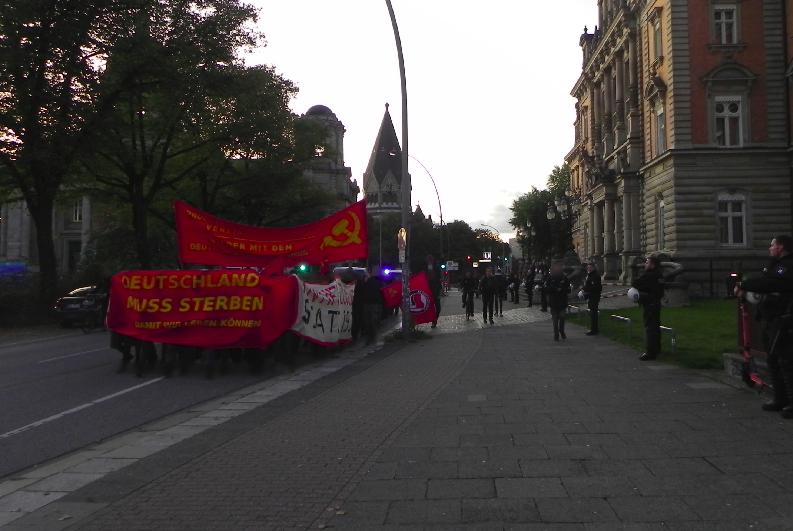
column 405, row 178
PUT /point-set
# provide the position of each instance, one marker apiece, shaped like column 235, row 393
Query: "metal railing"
column 627, row 320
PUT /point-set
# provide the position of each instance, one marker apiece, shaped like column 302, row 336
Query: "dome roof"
column 319, row 110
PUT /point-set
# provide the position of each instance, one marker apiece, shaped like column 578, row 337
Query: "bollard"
column 673, row 337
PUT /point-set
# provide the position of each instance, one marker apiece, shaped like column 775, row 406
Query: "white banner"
column 324, row 313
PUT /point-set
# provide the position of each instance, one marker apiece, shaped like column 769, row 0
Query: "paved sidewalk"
column 497, row 428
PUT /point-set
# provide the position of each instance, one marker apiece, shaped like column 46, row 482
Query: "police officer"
column 592, row 290
column 501, row 291
column 529, row 284
column 487, row 287
column 557, row 287
column 651, row 290
column 776, row 283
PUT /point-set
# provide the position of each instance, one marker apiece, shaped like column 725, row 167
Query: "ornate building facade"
column 682, row 141
column 382, row 180
column 327, row 169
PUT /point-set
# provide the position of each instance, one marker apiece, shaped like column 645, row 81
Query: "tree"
column 189, row 109
column 53, row 55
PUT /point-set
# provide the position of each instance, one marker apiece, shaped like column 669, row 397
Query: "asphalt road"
column 61, row 394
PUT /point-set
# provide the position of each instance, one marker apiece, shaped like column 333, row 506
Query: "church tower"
column 382, row 180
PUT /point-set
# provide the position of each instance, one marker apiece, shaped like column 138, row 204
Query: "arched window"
column 731, row 218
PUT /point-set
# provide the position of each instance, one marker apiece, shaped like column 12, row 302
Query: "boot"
column 780, row 400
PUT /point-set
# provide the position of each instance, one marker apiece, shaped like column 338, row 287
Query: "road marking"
column 77, row 408
column 72, row 355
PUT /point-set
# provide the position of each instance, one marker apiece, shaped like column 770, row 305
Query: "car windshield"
column 83, row 291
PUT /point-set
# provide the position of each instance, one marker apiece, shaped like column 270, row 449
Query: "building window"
column 658, row 43
column 661, row 237
column 660, row 128
column 732, row 219
column 77, row 211
column 724, row 20
column 729, row 121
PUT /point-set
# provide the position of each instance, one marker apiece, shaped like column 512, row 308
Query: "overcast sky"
column 489, row 83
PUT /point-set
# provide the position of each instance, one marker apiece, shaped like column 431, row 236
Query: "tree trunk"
column 140, row 224
column 41, row 213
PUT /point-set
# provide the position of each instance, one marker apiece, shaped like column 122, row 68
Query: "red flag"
column 422, row 304
column 208, row 240
column 392, row 294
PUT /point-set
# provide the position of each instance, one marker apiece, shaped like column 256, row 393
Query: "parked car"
column 80, row 305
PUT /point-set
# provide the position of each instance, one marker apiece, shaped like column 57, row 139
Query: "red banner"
column 208, row 240
column 209, row 309
column 392, row 294
column 422, row 304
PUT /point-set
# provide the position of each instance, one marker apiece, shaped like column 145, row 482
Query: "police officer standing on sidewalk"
column 592, row 290
column 529, row 285
column 469, row 286
column 776, row 285
column 651, row 290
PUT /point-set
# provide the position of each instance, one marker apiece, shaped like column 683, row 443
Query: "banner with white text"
column 324, row 312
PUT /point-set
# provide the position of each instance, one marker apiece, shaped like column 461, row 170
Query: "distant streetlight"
column 440, row 208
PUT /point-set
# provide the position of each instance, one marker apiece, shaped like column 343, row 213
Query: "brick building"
column 682, row 135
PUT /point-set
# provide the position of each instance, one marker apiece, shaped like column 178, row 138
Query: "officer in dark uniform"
column 592, row 290
column 529, row 283
column 651, row 290
column 557, row 287
column 776, row 284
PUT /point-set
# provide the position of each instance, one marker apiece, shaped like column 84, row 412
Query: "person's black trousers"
column 437, row 299
column 557, row 316
column 487, row 306
column 543, row 300
column 593, row 314
column 777, row 345
column 652, row 329
column 499, row 304
column 469, row 304
column 530, row 294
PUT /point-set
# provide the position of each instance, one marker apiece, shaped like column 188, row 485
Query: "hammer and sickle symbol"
column 342, row 229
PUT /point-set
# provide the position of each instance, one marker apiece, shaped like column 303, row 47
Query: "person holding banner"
column 372, row 301
column 434, row 277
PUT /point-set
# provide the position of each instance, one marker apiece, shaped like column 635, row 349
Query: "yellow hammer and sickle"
column 342, row 229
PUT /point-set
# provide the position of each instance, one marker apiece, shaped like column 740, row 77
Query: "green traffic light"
column 302, row 268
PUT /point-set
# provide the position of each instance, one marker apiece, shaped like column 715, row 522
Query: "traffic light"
column 443, row 266
column 302, row 268
column 469, row 257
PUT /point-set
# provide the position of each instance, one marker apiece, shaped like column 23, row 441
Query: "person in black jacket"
column 487, row 287
column 651, row 290
column 529, row 283
column 501, row 291
column 776, row 285
column 540, row 277
column 371, row 295
column 557, row 287
column 514, row 288
column 469, row 286
column 592, row 290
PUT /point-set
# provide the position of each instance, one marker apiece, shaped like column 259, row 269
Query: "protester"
column 592, row 290
column 501, row 291
column 529, row 285
column 556, row 288
column 372, row 299
column 487, row 288
column 651, row 290
column 436, row 285
column 514, row 287
column 540, row 277
column 469, row 286
column 776, row 285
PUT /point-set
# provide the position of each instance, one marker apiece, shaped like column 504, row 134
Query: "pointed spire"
column 386, row 155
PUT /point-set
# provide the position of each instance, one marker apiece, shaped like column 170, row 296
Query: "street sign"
column 451, row 265
column 486, row 255
column 476, row 264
